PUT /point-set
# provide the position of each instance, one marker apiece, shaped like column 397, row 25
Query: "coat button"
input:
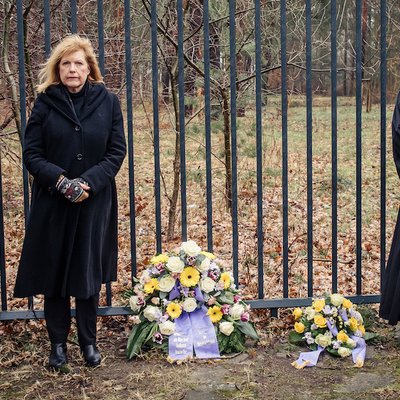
column 79, row 157
column 77, row 128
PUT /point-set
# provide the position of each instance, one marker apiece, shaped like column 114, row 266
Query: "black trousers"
column 57, row 314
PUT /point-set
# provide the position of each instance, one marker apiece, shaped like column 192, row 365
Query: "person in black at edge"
column 74, row 146
column 390, row 298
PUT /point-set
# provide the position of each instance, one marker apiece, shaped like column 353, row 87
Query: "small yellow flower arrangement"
column 331, row 323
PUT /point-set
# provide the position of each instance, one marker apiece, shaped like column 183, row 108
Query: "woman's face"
column 74, row 70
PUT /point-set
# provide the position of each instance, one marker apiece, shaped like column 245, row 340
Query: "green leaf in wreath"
column 295, row 338
column 138, row 337
column 247, row 328
column 370, row 336
column 226, row 297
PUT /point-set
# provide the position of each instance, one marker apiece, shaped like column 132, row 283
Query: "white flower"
column 309, row 312
column 226, row 327
column 207, row 284
column 133, row 303
column 175, row 264
column 135, row 319
column 323, row 340
column 205, row 265
column 145, row 277
column 166, row 283
column 190, row 248
column 358, row 317
column 310, row 340
column 155, row 301
column 352, row 343
column 152, row 313
column 344, row 351
column 236, row 311
column 336, row 344
column 189, row 304
column 336, row 299
column 167, row 328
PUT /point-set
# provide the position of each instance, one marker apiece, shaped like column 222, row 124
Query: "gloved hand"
column 72, row 189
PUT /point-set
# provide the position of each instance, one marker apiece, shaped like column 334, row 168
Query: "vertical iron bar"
column 47, row 40
column 383, row 73
column 129, row 123
column 260, row 232
column 100, row 32
column 74, row 14
column 22, row 105
column 309, row 151
column 358, row 146
column 207, row 116
column 334, row 143
column 232, row 56
column 181, row 90
column 154, row 63
column 285, row 201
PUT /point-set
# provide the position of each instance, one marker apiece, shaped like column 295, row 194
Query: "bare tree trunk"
column 9, row 74
column 227, row 148
column 176, row 164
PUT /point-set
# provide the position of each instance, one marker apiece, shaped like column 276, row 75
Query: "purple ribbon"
column 204, row 336
column 343, row 314
column 180, row 343
column 198, row 295
column 308, row 358
column 359, row 351
column 174, row 293
column 196, row 330
column 332, row 328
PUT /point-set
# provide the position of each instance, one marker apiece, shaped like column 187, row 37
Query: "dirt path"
column 264, row 372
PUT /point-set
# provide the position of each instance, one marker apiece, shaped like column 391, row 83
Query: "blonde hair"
column 49, row 74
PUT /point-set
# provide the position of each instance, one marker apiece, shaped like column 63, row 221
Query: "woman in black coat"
column 74, row 146
column 390, row 298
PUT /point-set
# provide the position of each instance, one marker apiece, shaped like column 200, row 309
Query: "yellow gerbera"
column 226, row 278
column 174, row 310
column 161, row 258
column 151, row 286
column 208, row 255
column 189, row 277
column 215, row 314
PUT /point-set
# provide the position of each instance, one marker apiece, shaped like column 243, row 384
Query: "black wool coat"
column 70, row 249
column 390, row 298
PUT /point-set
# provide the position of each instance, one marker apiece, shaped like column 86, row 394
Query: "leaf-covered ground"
column 263, row 372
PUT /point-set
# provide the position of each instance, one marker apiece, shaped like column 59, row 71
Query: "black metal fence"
column 262, row 300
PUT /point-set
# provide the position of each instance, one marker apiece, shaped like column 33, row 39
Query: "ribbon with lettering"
column 204, row 337
column 193, row 330
column 180, row 343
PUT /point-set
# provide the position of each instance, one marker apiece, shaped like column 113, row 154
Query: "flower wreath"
column 185, row 294
column 333, row 324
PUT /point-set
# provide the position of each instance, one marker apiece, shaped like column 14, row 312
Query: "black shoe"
column 58, row 356
column 91, row 355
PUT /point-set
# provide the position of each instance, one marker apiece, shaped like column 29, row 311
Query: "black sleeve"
column 396, row 134
column 34, row 154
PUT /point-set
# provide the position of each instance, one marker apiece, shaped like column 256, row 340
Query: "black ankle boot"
column 91, row 355
column 58, row 356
